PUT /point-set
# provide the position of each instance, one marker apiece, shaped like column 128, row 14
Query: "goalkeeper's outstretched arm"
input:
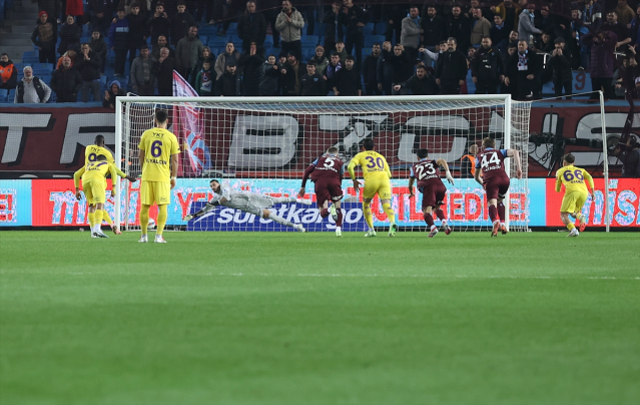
column 207, row 208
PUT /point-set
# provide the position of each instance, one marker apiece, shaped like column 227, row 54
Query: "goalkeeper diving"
column 252, row 203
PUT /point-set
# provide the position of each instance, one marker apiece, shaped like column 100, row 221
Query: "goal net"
column 263, row 145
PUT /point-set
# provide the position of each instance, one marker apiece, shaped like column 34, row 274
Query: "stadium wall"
column 52, row 203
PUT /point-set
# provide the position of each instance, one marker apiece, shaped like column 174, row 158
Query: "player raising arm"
column 495, row 180
column 252, row 203
column 575, row 194
column 376, row 173
column 326, row 172
column 433, row 190
column 158, row 157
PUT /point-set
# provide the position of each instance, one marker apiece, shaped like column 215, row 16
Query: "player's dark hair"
column 101, row 157
column 368, row 144
column 216, row 180
column 99, row 140
column 489, row 142
column 423, row 153
column 161, row 115
column 569, row 158
column 332, row 149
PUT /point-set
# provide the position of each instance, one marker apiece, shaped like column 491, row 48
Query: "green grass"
column 309, row 318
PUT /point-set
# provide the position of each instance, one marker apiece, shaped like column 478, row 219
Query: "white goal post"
column 263, row 144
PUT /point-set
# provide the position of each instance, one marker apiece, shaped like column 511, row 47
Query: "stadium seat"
column 85, row 39
column 268, row 42
column 208, row 29
column 381, row 28
column 372, row 39
column 103, row 82
column 30, row 57
column 319, row 29
column 310, row 39
column 3, row 95
column 233, row 28
column 203, row 39
column 217, row 42
column 368, row 29
column 11, row 95
column 44, row 77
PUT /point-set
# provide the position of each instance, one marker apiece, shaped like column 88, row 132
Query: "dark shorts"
column 328, row 188
column 433, row 195
column 497, row 186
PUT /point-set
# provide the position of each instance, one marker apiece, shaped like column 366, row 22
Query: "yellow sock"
column 92, row 219
column 144, row 219
column 571, row 226
column 97, row 217
column 106, row 217
column 162, row 219
column 389, row 211
column 366, row 208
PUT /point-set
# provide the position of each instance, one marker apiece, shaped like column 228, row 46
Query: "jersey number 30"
column 378, row 162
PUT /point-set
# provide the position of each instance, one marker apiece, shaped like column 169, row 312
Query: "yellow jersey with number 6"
column 573, row 179
column 158, row 145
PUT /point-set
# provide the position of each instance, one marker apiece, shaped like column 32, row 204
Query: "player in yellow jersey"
column 94, row 185
column 91, row 152
column 376, row 173
column 575, row 194
column 159, row 161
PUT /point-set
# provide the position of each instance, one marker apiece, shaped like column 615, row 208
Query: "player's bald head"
column 101, row 157
column 423, row 153
column 99, row 140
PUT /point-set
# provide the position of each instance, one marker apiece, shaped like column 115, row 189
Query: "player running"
column 433, row 190
column 94, row 185
column 326, row 172
column 158, row 158
column 495, row 180
column 575, row 194
column 376, row 173
column 91, row 152
column 252, row 203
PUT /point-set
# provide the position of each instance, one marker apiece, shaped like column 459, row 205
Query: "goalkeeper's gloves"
column 449, row 178
column 188, row 218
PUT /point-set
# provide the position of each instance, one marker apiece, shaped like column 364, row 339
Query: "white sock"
column 433, row 227
column 279, row 220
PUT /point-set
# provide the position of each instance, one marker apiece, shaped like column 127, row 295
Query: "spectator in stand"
column 8, row 73
column 486, row 10
column 45, row 37
column 487, row 68
column 269, row 84
column 422, row 83
column 434, row 29
column 621, row 32
column 230, row 83
column 31, row 90
column 229, row 55
column 340, row 50
column 110, row 95
column 451, row 72
column 291, row 75
column 630, row 158
column 162, row 43
column 624, row 12
column 334, row 21
column 468, row 163
column 522, row 70
column 370, row 70
column 142, row 77
column 187, row 52
column 602, row 45
column 206, row 55
column 430, row 59
column 402, row 65
column 163, row 70
column 320, row 60
column 51, row 7
column 499, row 34
column 271, row 11
column 119, row 41
column 312, row 83
column 66, row 82
column 88, row 64
column 99, row 46
column 99, row 18
column 205, row 80
column 526, row 29
column 591, row 15
column 181, row 22
column 481, row 27
column 509, row 13
column 546, row 22
column 159, row 23
column 252, row 27
column 290, row 23
column 385, row 69
column 394, row 21
column 459, row 27
column 355, row 20
column 70, row 34
column 544, row 44
column 411, row 32
column 348, row 81
column 72, row 53
column 138, row 31
column 561, row 66
column 332, row 68
column 580, row 51
column 250, row 64
column 634, row 29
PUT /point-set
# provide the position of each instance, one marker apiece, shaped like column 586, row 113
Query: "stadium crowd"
column 267, row 47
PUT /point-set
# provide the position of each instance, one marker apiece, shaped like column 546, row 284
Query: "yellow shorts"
column 155, row 192
column 573, row 201
column 382, row 187
column 94, row 191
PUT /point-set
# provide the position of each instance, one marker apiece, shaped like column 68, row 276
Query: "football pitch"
column 288, row 318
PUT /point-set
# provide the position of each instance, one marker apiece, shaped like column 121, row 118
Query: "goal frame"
column 125, row 100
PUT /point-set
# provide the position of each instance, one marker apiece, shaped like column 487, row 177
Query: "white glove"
column 188, row 218
column 449, row 178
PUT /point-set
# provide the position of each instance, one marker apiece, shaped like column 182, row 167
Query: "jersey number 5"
column 329, row 162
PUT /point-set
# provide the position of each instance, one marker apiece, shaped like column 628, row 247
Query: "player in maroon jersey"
column 433, row 190
column 326, row 172
column 495, row 180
